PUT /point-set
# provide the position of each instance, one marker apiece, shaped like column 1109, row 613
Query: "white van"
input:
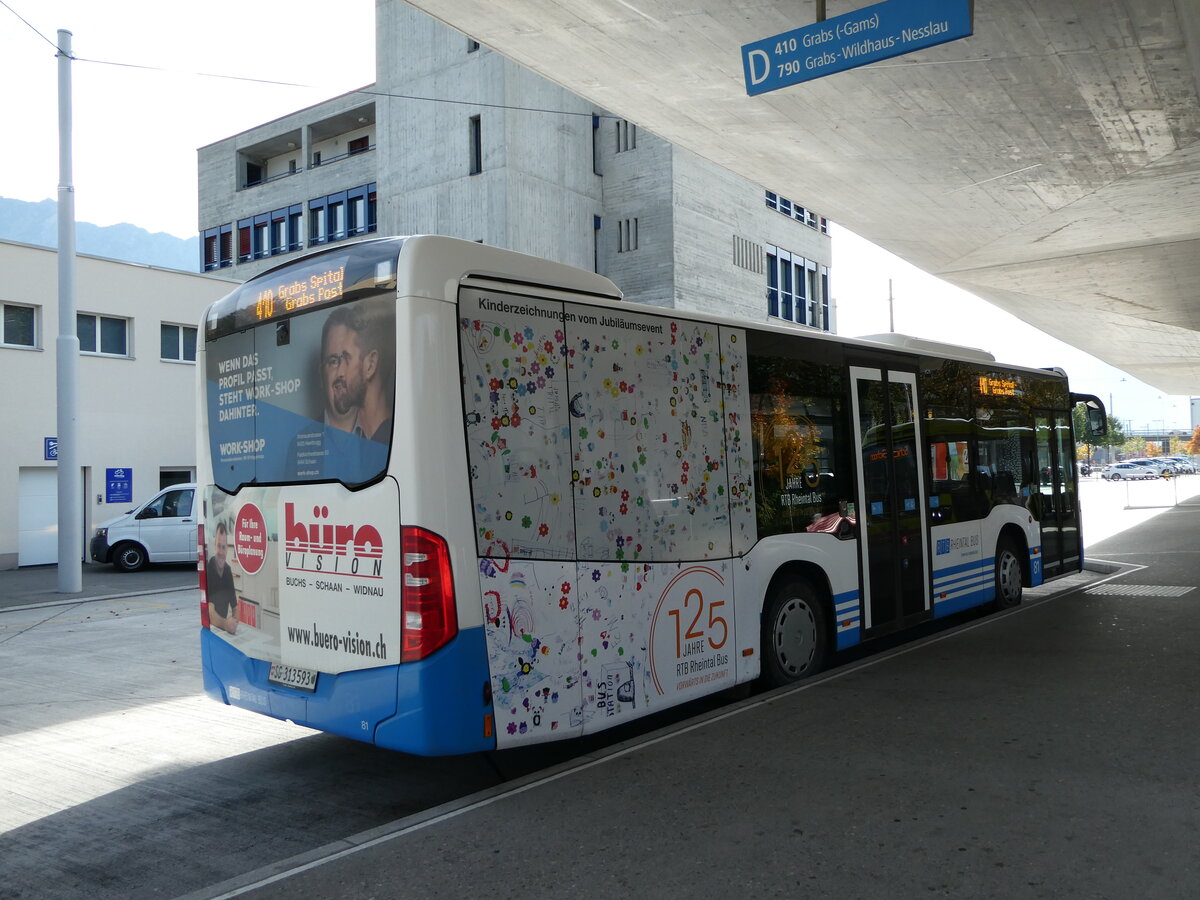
column 162, row 530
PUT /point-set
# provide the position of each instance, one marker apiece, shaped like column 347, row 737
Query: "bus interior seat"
column 1006, row 488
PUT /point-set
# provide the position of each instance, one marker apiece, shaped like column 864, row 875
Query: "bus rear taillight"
column 426, row 595
column 201, row 556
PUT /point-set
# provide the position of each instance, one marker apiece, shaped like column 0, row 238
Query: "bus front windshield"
column 303, row 398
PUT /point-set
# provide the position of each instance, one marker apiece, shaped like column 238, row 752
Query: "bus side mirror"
column 1097, row 417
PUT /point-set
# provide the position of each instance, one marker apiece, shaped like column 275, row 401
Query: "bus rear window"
column 306, row 398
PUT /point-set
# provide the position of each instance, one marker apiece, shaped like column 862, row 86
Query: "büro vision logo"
column 325, row 545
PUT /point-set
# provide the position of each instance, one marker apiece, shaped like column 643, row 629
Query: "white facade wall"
column 135, row 412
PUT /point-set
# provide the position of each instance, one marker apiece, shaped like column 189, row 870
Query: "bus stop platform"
column 1047, row 751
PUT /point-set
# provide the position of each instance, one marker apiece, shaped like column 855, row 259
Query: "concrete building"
column 455, row 139
column 137, row 386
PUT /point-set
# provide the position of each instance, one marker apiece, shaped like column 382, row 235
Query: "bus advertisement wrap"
column 304, row 399
column 303, row 577
column 607, row 450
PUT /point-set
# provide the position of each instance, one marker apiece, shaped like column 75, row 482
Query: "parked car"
column 1182, row 465
column 159, row 531
column 1157, row 464
column 1125, row 471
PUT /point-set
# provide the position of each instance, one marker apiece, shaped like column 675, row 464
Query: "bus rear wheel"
column 1009, row 580
column 795, row 633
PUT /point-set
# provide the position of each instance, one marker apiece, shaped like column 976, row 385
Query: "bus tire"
column 129, row 557
column 795, row 633
column 1009, row 579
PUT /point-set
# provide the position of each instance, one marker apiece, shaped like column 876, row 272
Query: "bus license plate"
column 293, row 677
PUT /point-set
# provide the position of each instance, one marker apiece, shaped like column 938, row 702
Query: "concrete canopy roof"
column 1050, row 163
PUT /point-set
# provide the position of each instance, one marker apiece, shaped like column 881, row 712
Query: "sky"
column 144, row 99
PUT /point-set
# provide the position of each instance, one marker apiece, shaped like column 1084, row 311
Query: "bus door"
column 1056, row 507
column 891, row 509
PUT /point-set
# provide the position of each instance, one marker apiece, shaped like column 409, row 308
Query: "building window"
column 18, row 326
column 360, row 209
column 626, row 136
column 208, row 259
column 358, row 145
column 295, row 220
column 812, row 295
column 596, row 223
column 796, row 211
column 243, row 238
column 279, row 232
column 597, row 168
column 102, row 335
column 178, row 342
column 261, row 236
column 627, row 235
column 826, row 313
column 317, row 232
column 797, row 289
column 335, row 218
column 475, row 136
column 217, row 248
column 316, row 158
column 341, row 215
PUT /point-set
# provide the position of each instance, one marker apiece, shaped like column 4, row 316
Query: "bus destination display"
column 991, row 386
column 323, row 286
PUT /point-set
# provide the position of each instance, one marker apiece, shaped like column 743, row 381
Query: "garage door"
column 37, row 517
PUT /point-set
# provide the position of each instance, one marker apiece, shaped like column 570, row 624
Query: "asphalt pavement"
column 1048, row 751
column 38, row 585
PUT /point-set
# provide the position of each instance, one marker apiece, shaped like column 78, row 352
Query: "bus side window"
column 959, row 487
column 802, row 440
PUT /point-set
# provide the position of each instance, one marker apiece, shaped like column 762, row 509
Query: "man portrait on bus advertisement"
column 222, row 598
column 351, row 412
column 353, row 353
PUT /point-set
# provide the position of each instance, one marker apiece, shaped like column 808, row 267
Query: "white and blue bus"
column 457, row 498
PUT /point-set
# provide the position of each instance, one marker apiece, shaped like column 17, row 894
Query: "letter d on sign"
column 754, row 59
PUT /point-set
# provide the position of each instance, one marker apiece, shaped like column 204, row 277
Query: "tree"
column 1192, row 447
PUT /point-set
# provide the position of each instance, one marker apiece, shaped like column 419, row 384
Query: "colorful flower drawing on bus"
column 571, row 647
column 648, row 428
column 532, row 631
column 514, row 389
column 737, row 439
column 612, row 597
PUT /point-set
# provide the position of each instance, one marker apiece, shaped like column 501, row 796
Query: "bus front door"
column 1056, row 507
column 891, row 511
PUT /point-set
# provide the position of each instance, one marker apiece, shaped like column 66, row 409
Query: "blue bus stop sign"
column 867, row 35
column 118, row 485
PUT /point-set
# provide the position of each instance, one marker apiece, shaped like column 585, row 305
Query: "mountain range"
column 37, row 223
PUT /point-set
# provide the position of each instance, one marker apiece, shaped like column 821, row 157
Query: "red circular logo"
column 250, row 538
